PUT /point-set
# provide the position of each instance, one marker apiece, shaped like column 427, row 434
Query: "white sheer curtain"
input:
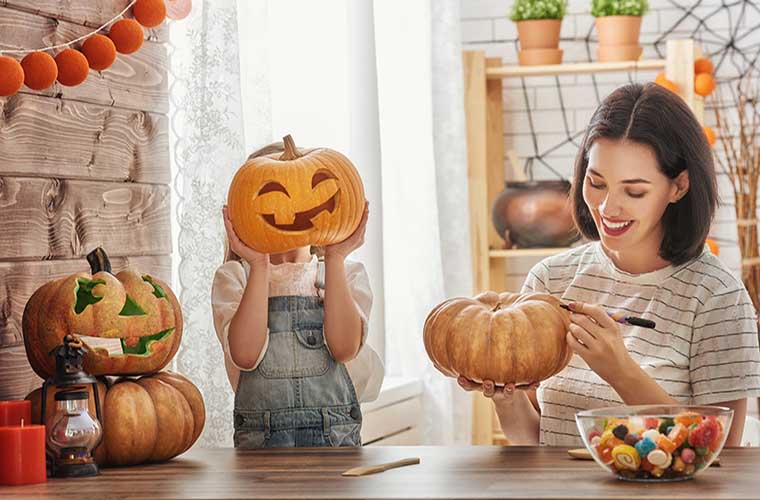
column 424, row 186
column 207, row 140
column 227, row 77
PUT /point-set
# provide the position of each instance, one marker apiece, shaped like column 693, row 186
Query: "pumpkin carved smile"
column 303, row 220
column 278, row 202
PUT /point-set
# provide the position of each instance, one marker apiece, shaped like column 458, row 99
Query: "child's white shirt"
column 296, row 278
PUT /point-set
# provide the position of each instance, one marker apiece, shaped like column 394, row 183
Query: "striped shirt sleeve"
column 537, row 279
column 724, row 360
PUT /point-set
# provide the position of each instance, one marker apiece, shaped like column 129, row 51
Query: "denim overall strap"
column 298, row 395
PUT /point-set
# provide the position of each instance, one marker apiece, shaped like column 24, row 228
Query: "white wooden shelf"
column 525, row 252
column 496, row 72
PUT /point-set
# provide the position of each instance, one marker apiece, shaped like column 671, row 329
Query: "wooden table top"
column 475, row 472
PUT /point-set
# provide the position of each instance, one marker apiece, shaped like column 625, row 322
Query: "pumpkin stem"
column 291, row 151
column 496, row 307
column 99, row 261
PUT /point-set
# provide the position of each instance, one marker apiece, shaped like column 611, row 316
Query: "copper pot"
column 535, row 214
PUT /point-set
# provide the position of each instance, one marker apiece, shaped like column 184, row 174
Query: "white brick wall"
column 486, row 26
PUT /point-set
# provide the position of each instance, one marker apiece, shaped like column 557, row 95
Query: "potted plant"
column 618, row 24
column 538, row 26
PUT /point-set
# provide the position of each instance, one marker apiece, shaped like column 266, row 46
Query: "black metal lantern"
column 72, row 434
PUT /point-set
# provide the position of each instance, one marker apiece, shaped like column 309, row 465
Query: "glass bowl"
column 655, row 443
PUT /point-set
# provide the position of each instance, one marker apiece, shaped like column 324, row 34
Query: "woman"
column 644, row 193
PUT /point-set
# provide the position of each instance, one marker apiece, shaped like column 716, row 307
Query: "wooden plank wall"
column 79, row 167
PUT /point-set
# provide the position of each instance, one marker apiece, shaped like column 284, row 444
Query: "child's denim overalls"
column 298, row 396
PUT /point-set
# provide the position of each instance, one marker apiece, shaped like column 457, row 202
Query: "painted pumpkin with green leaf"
column 138, row 309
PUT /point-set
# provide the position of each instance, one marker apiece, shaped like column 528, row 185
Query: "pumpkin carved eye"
column 320, row 176
column 271, row 187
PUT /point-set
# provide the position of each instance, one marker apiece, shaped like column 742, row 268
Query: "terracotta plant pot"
column 539, row 33
column 618, row 30
column 535, row 214
column 615, row 53
column 535, row 57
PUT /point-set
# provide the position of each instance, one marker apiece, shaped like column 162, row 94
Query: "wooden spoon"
column 372, row 469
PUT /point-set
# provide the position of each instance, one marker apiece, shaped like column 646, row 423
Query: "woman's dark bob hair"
column 651, row 115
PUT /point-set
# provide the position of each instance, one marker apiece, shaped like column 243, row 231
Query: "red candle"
column 22, row 454
column 13, row 412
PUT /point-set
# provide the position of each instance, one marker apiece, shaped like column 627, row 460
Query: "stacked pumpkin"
column 505, row 338
column 147, row 416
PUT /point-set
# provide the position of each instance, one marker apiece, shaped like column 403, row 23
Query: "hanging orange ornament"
column 127, row 35
column 11, row 76
column 710, row 134
column 178, row 9
column 72, row 67
column 40, row 70
column 149, row 13
column 99, row 51
column 704, row 84
column 668, row 84
column 714, row 247
column 703, row 65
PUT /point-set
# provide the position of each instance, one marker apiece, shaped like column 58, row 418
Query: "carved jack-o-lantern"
column 139, row 310
column 283, row 201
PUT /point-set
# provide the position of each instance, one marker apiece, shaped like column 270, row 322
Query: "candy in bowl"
column 655, row 443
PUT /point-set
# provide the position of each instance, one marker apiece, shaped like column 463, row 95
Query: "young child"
column 293, row 328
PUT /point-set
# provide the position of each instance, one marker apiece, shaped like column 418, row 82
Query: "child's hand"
column 236, row 244
column 351, row 243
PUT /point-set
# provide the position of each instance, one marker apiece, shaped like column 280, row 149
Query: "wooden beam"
column 495, row 175
column 574, row 68
column 477, row 163
column 62, row 219
column 43, row 137
column 681, row 55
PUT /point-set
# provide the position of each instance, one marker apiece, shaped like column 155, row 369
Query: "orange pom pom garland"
column 11, row 76
column 40, row 70
column 127, row 35
column 72, row 67
column 99, row 51
column 149, row 13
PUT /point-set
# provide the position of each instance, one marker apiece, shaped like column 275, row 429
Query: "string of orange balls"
column 38, row 70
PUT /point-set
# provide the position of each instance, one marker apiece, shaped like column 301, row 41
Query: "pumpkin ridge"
column 448, row 332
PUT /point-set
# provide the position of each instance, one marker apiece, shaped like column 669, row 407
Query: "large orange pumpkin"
column 506, row 338
column 279, row 202
column 151, row 419
column 140, row 310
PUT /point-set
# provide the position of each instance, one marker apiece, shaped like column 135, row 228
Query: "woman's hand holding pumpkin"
column 345, row 247
column 254, row 258
column 503, row 394
column 597, row 338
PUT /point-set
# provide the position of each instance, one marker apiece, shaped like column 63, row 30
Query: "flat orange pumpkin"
column 279, row 202
column 506, row 338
